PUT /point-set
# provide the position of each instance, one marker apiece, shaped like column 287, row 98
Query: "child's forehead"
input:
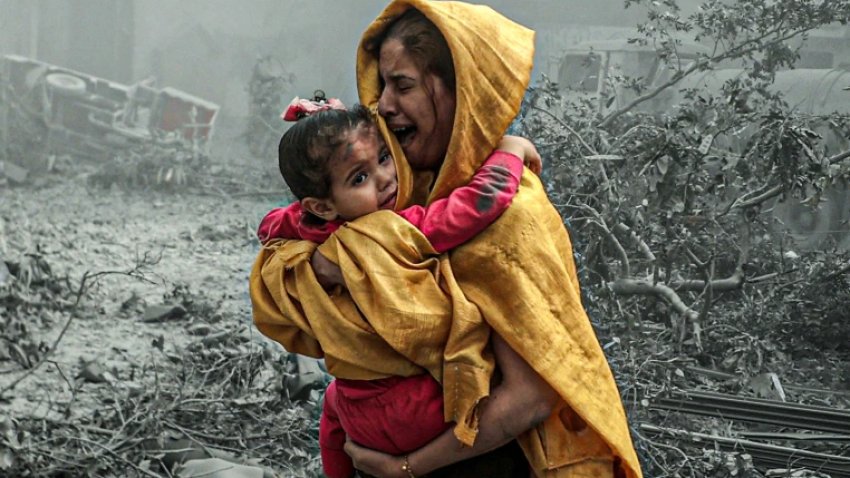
column 362, row 136
column 365, row 131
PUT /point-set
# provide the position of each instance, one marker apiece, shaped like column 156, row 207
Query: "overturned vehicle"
column 48, row 110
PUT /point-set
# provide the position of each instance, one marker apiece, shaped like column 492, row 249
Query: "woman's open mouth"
column 404, row 134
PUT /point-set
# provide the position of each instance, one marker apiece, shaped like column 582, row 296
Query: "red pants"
column 395, row 415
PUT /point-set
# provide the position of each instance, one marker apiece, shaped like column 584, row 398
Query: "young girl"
column 339, row 168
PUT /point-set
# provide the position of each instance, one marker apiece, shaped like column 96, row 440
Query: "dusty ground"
column 195, row 246
column 204, row 242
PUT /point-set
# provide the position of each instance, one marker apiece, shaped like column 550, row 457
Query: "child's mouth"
column 390, row 202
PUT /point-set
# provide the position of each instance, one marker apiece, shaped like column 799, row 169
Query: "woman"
column 519, row 273
column 417, row 91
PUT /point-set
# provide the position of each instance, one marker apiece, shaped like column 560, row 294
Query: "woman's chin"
column 418, row 157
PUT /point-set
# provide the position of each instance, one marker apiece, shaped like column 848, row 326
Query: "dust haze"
column 208, row 47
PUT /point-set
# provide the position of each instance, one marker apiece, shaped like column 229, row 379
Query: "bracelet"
column 406, row 467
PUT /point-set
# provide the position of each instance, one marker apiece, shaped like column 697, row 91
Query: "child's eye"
column 358, row 178
column 385, row 156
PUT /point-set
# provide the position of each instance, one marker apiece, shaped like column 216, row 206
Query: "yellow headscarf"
column 408, row 311
column 493, row 44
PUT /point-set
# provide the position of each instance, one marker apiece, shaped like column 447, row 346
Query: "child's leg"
column 335, row 462
column 395, row 415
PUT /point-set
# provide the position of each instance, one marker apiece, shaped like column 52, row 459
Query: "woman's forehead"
column 395, row 62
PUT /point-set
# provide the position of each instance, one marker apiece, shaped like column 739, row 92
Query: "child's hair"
column 305, row 150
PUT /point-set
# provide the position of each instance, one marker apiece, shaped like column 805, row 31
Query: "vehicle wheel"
column 66, row 84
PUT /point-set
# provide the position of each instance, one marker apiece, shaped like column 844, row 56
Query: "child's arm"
column 524, row 149
column 286, row 223
column 468, row 210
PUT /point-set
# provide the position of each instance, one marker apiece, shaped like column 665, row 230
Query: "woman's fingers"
column 373, row 462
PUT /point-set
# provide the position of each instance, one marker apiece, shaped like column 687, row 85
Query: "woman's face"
column 418, row 107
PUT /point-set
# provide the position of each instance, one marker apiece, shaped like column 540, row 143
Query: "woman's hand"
column 327, row 273
column 374, row 462
column 521, row 402
column 524, row 149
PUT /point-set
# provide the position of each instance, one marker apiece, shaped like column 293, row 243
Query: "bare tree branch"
column 748, row 46
column 756, row 200
column 568, row 128
column 641, row 287
column 642, row 245
column 652, row 94
column 88, row 280
column 733, row 282
column 837, row 158
column 625, row 269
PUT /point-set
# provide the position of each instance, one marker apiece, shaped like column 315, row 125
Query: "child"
column 337, row 165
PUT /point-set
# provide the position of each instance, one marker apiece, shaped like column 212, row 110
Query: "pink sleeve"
column 335, row 462
column 288, row 223
column 468, row 210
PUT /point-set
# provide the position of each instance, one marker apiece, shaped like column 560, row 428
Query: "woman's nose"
column 386, row 103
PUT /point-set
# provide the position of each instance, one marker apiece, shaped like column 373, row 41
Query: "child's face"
column 363, row 176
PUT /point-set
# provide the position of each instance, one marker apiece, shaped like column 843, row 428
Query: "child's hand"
column 327, row 273
column 524, row 149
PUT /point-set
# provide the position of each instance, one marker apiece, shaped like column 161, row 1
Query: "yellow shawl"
column 409, row 311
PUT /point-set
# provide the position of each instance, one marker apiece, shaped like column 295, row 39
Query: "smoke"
column 208, row 47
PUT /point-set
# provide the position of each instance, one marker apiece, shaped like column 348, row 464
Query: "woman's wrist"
column 396, row 468
column 406, row 468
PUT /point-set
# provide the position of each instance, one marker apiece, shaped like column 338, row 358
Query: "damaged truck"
column 48, row 110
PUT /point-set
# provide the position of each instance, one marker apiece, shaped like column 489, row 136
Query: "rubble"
column 13, row 172
column 161, row 313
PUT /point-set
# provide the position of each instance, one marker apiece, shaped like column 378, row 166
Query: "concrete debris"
column 162, row 313
column 13, row 172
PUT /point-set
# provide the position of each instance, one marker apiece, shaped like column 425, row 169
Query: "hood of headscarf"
column 492, row 57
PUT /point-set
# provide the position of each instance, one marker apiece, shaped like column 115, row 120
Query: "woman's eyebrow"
column 398, row 77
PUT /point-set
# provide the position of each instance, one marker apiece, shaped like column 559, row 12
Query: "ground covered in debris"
column 127, row 345
column 127, row 337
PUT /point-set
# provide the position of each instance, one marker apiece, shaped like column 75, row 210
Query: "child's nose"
column 386, row 177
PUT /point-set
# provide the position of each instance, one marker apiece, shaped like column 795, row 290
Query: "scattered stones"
column 162, row 313
column 4, row 272
column 199, row 329
column 13, row 172
column 93, row 372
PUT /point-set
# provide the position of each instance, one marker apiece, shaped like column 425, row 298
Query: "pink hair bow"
column 299, row 108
